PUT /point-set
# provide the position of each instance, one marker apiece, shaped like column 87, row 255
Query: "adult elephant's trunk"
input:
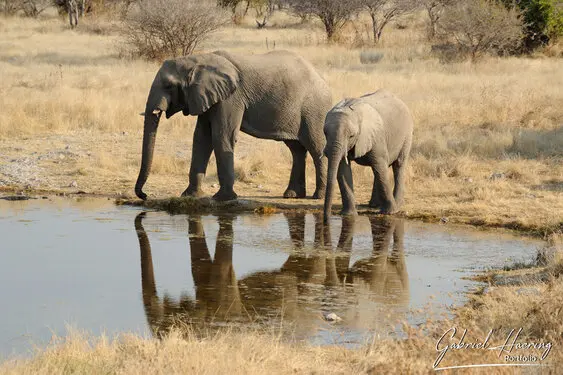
column 149, row 138
column 333, row 162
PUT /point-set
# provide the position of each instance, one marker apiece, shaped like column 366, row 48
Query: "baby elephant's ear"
column 369, row 121
column 209, row 83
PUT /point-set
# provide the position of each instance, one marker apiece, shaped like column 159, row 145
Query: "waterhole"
column 88, row 264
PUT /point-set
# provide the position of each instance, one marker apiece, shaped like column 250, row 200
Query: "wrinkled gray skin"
column 276, row 96
column 374, row 130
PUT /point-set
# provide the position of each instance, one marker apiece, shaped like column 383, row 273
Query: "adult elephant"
column 277, row 95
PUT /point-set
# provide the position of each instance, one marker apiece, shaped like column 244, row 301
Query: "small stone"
column 332, row 317
column 469, row 179
column 214, row 185
column 125, row 133
column 528, row 291
column 444, row 220
column 259, row 186
column 497, row 176
column 67, row 147
column 73, row 184
column 61, row 156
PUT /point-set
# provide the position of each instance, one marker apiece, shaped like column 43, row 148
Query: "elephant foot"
column 191, row 192
column 223, row 196
column 374, row 204
column 291, row 193
column 319, row 194
column 389, row 209
column 349, row 212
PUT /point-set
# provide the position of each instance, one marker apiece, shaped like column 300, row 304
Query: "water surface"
column 102, row 268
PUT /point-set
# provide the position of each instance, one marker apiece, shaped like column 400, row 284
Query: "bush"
column 543, row 20
column 334, row 14
column 158, row 29
column 477, row 27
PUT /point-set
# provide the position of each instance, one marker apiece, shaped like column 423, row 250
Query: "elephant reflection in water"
column 310, row 281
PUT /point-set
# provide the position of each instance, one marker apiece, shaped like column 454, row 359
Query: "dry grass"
column 64, row 88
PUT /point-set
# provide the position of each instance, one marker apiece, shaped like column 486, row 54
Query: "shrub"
column 543, row 20
column 482, row 26
column 334, row 14
column 157, row 29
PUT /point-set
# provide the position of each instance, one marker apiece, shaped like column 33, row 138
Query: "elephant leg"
column 346, row 185
column 200, row 257
column 344, row 248
column 225, row 125
column 320, row 175
column 297, row 184
column 382, row 187
column 399, row 170
column 201, row 152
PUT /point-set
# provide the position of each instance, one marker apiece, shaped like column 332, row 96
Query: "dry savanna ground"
column 488, row 150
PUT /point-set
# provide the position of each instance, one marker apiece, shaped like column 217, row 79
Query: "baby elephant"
column 374, row 130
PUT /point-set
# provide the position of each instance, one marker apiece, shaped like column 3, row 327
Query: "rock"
column 497, row 176
column 468, row 179
column 444, row 220
column 528, row 291
column 61, row 156
column 259, row 186
column 67, row 147
column 73, row 184
column 370, row 57
column 332, row 317
column 16, row 198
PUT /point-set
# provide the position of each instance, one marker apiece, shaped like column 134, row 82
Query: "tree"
column 263, row 10
column 482, row 26
column 435, row 10
column 383, row 11
column 543, row 20
column 230, row 4
column 333, row 13
column 170, row 28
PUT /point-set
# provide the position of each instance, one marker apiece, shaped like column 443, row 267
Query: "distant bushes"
column 158, row 29
column 477, row 27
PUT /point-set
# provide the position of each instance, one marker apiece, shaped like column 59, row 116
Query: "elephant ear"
column 369, row 121
column 209, row 83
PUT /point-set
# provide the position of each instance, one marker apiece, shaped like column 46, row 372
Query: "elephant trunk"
column 333, row 162
column 149, row 138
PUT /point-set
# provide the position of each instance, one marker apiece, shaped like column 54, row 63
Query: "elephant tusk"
column 346, row 159
column 155, row 112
